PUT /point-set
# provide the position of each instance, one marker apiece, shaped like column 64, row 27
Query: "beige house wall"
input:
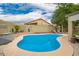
column 39, row 28
column 5, row 27
column 40, row 22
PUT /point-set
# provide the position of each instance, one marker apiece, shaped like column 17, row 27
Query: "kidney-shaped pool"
column 39, row 42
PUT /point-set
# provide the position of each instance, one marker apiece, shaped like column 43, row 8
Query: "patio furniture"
column 75, row 39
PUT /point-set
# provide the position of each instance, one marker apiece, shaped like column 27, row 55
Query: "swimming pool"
column 39, row 42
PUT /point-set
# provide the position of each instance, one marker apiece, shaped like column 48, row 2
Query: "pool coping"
column 16, row 49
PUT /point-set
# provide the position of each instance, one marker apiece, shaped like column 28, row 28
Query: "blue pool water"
column 39, row 43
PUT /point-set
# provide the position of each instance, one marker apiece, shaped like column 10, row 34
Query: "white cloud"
column 48, row 7
column 21, row 18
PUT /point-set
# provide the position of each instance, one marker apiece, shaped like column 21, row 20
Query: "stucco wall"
column 39, row 22
column 5, row 28
column 39, row 28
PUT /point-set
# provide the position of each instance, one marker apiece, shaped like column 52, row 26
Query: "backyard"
column 37, row 36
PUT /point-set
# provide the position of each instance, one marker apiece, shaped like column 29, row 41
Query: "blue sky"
column 25, row 12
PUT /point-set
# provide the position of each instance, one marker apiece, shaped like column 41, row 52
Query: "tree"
column 12, row 30
column 60, row 13
column 17, row 28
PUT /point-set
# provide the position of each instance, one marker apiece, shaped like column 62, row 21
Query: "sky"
column 24, row 12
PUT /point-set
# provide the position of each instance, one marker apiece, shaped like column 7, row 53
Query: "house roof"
column 39, row 19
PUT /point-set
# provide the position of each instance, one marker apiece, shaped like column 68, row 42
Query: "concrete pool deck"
column 11, row 49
